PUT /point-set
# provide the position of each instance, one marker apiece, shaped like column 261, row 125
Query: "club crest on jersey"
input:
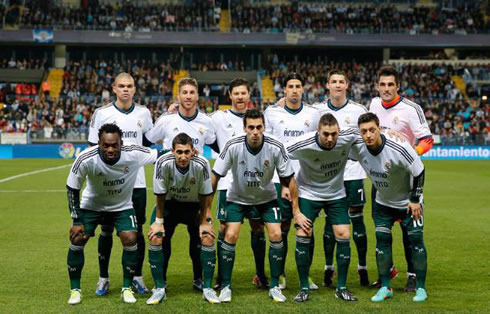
column 347, row 120
column 139, row 123
column 266, row 164
column 126, row 169
column 387, row 165
column 395, row 120
column 192, row 181
column 201, row 130
column 343, row 153
column 307, row 123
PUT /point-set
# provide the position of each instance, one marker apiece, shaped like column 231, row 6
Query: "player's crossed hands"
column 156, row 231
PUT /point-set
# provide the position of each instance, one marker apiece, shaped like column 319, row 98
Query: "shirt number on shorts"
column 276, row 212
column 360, row 191
column 419, row 222
column 133, row 220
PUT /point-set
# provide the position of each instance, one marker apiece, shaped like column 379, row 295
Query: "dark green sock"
column 302, row 254
column 221, row 238
column 227, row 259
column 285, row 254
column 328, row 242
column 75, row 261
column 140, row 238
column 129, row 262
column 312, row 247
column 419, row 257
column 384, row 258
column 408, row 251
column 155, row 257
column 208, row 262
column 343, row 261
column 276, row 253
column 104, row 249
column 258, row 248
column 360, row 237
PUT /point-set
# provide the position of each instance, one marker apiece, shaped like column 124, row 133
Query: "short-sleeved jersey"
column 227, row 125
column 405, row 117
column 109, row 187
column 391, row 169
column 134, row 123
column 321, row 173
column 286, row 125
column 347, row 116
column 183, row 185
column 253, row 170
column 199, row 127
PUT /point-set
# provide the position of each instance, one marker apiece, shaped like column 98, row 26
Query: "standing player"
column 229, row 123
column 398, row 175
column 287, row 123
column 134, row 121
column 110, row 170
column 253, row 158
column 346, row 112
column 322, row 157
column 188, row 119
column 182, row 185
column 407, row 118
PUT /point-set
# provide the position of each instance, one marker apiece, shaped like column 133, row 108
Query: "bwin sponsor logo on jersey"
column 129, row 134
column 293, row 133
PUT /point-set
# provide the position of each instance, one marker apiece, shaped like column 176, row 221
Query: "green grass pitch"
column 34, row 224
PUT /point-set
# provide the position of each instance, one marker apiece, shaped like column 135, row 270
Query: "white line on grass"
column 33, row 172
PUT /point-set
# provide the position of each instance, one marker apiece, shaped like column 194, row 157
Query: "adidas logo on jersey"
column 176, row 129
column 230, row 126
column 242, row 162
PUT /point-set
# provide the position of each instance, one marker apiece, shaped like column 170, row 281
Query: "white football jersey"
column 199, row 127
column 405, row 117
column 183, row 185
column 321, row 173
column 253, row 170
column 391, row 169
column 286, row 125
column 227, row 125
column 109, row 187
column 347, row 116
column 134, row 123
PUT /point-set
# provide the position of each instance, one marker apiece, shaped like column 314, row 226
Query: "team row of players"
column 287, row 121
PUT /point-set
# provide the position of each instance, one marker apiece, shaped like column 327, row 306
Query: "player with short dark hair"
column 182, row 185
column 253, row 159
column 346, row 112
column 188, row 119
column 229, row 123
column 398, row 175
column 134, row 120
column 110, row 170
column 404, row 116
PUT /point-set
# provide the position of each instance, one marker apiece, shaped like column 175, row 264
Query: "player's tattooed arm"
column 74, row 204
column 414, row 196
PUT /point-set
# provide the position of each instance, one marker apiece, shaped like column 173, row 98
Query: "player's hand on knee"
column 285, row 194
column 156, row 230
column 303, row 222
column 77, row 234
column 206, row 230
column 416, row 210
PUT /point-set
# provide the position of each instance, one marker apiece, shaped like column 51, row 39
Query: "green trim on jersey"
column 124, row 111
column 331, row 106
column 189, row 119
column 294, row 111
column 240, row 115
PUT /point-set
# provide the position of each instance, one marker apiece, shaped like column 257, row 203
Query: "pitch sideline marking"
column 33, row 172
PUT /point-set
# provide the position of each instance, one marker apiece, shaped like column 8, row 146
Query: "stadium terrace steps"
column 180, row 75
column 55, row 80
column 268, row 94
column 224, row 21
column 460, row 84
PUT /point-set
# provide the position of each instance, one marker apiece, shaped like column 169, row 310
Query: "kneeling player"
column 110, row 170
column 182, row 184
column 253, row 158
column 397, row 174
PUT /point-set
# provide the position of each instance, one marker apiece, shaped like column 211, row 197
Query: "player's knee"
column 128, row 238
column 156, row 241
column 207, row 241
column 383, row 236
column 231, row 236
column 416, row 238
column 106, row 230
column 342, row 232
column 275, row 235
column 80, row 240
